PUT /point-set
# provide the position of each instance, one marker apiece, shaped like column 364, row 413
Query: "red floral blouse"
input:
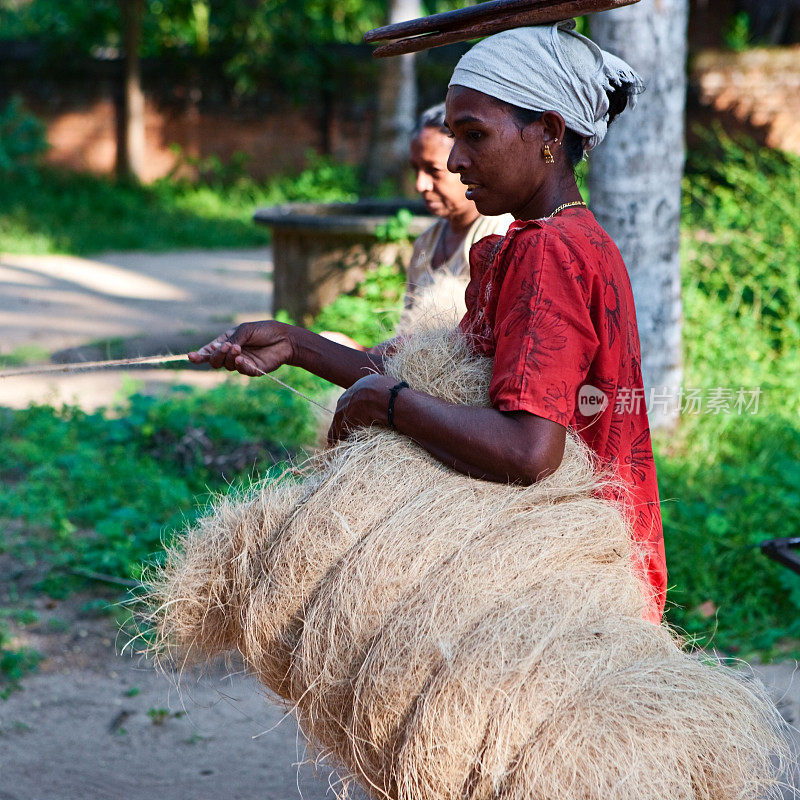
column 551, row 302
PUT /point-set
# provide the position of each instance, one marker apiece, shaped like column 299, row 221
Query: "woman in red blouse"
column 551, row 301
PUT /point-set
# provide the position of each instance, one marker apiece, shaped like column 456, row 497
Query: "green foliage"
column 396, row 228
column 323, row 181
column 22, row 139
column 15, row 663
column 282, row 41
column 290, row 41
column 728, row 482
column 737, row 35
column 24, row 354
column 61, row 25
column 726, row 485
column 100, row 490
column 370, row 313
column 63, row 212
column 303, row 49
column 741, row 202
column 158, row 715
column 70, row 27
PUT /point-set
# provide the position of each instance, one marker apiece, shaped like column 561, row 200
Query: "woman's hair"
column 574, row 143
column 432, row 117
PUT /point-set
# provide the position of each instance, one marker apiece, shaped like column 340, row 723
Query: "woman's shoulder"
column 575, row 230
column 572, row 234
column 576, row 223
column 424, row 247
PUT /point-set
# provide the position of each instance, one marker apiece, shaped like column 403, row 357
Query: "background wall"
column 192, row 112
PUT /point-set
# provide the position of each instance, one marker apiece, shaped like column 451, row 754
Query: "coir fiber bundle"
column 444, row 638
column 440, row 304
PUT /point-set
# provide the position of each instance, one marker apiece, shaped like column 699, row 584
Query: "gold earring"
column 548, row 156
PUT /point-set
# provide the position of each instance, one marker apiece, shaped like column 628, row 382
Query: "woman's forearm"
column 255, row 348
column 484, row 443
column 332, row 361
column 515, row 447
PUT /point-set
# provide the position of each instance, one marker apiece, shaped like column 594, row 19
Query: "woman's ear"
column 553, row 127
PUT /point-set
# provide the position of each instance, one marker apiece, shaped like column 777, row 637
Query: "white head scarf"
column 549, row 68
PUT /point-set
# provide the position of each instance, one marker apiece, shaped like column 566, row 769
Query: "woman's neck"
column 549, row 197
column 459, row 224
column 452, row 237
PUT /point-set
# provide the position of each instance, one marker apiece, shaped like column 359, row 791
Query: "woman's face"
column 502, row 165
column 442, row 191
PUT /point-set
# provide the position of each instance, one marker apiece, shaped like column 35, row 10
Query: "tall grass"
column 729, row 481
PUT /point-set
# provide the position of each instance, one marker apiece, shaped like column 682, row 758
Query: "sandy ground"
column 61, row 301
column 85, row 738
column 94, row 725
column 123, row 304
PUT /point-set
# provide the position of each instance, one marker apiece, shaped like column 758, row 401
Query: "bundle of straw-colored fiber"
column 439, row 304
column 444, row 638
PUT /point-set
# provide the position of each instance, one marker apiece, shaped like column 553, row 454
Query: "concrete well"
column 322, row 250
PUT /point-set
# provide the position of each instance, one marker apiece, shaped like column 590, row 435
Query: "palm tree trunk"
column 397, row 106
column 635, row 184
column 130, row 125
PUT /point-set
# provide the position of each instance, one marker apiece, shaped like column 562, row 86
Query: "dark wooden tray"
column 482, row 19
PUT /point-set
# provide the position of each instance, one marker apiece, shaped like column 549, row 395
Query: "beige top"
column 420, row 272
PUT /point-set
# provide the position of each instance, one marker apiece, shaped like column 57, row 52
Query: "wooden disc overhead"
column 482, row 19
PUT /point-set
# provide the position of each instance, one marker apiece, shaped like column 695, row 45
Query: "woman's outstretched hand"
column 253, row 348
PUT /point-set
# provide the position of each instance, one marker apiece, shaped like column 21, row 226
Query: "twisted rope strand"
column 87, row 366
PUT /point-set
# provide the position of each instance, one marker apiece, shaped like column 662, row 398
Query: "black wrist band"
column 393, row 392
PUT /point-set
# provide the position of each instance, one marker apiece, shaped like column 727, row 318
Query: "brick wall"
column 190, row 104
column 756, row 92
column 83, row 137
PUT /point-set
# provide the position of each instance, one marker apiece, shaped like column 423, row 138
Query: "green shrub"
column 728, row 482
column 15, row 663
column 740, row 207
column 396, row 228
column 322, row 181
column 100, row 490
column 22, row 138
column 369, row 314
column 737, row 34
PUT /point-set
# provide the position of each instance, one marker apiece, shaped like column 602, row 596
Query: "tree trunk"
column 130, row 123
column 397, row 106
column 635, row 185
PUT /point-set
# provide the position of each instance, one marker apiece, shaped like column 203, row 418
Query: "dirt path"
column 94, row 725
column 122, row 304
column 63, row 301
